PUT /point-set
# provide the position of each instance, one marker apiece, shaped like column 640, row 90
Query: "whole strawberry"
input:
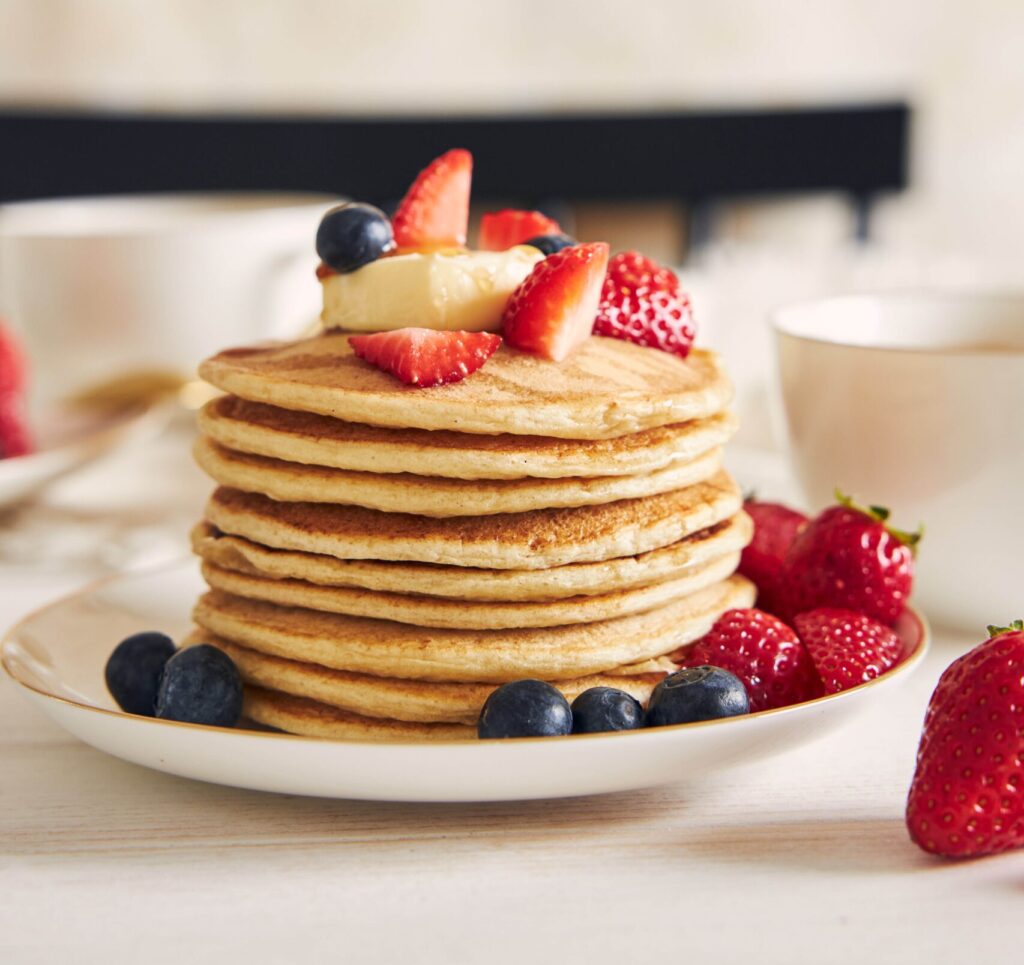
column 641, row 302
column 764, row 653
column 847, row 648
column 966, row 796
column 848, row 558
column 775, row 528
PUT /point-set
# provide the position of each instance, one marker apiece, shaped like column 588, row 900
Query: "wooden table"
column 800, row 859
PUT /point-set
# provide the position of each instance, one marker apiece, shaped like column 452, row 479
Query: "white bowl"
column 916, row 402
column 57, row 655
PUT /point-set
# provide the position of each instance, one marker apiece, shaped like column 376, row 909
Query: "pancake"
column 517, row 541
column 432, row 495
column 428, row 611
column 308, row 718
column 303, row 437
column 469, row 583
column 386, row 649
column 607, row 388
column 420, row 701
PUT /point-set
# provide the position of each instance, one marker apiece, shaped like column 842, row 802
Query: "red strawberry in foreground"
column 641, row 302
column 848, row 648
column 847, row 557
column 966, row 796
column 764, row 653
column 775, row 528
column 423, row 356
column 435, row 211
column 552, row 311
column 500, row 230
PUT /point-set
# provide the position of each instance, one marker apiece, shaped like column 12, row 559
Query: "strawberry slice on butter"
column 552, row 311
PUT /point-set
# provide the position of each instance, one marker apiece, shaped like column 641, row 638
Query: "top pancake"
column 606, row 389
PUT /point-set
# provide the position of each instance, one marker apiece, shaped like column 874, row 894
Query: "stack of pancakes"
column 381, row 557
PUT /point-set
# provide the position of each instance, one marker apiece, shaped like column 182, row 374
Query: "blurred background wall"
column 960, row 64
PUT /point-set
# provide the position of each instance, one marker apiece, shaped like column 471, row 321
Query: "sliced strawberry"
column 764, row 653
column 425, row 356
column 500, row 230
column 435, row 211
column 848, row 648
column 641, row 302
column 552, row 311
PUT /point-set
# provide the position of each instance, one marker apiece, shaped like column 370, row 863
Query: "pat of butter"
column 459, row 291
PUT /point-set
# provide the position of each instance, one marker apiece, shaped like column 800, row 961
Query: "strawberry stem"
column 880, row 514
column 994, row 631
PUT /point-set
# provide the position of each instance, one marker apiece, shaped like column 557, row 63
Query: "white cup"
column 104, row 289
column 916, row 402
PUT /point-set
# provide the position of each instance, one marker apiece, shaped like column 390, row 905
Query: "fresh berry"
column 134, row 669
column 500, row 230
column 549, row 244
column 606, row 708
column 696, row 693
column 775, row 528
column 424, row 356
column 435, row 210
column 764, row 653
column 641, row 302
column 12, row 365
column 525, row 708
column 848, row 558
column 847, row 648
column 966, row 796
column 15, row 439
column 352, row 235
column 200, row 685
column 552, row 311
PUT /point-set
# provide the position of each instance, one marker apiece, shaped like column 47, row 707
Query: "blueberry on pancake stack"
column 458, row 484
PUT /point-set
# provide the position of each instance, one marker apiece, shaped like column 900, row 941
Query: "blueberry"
column 352, row 235
column 549, row 244
column 525, row 708
column 134, row 668
column 605, row 708
column 200, row 685
column 697, row 693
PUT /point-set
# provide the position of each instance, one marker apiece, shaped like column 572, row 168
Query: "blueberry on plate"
column 697, row 693
column 352, row 235
column 200, row 685
column 525, row 708
column 549, row 244
column 134, row 668
column 606, row 708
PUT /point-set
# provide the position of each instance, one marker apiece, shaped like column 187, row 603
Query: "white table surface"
column 801, row 859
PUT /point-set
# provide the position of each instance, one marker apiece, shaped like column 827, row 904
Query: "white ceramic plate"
column 69, row 438
column 57, row 655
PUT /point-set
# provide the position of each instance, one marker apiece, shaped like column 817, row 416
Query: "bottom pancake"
column 297, row 715
column 415, row 701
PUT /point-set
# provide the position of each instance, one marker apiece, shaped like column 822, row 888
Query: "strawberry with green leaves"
column 967, row 796
column 848, row 557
